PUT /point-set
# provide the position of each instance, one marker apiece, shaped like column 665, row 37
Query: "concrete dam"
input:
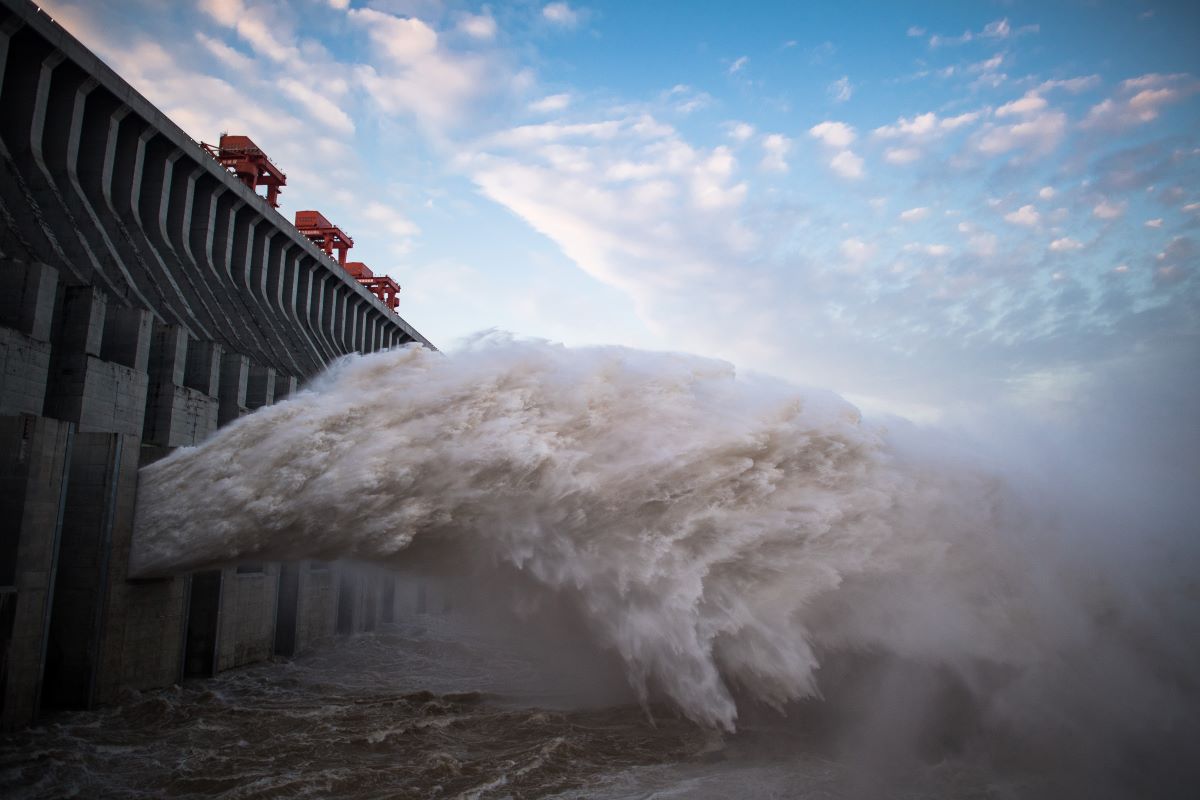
column 148, row 296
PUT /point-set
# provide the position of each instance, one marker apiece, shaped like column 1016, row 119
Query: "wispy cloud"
column 478, row 26
column 1065, row 245
column 551, row 103
column 775, row 149
column 562, row 14
column 996, row 29
column 1140, row 100
column 840, row 90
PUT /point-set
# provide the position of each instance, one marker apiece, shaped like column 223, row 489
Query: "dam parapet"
column 148, row 296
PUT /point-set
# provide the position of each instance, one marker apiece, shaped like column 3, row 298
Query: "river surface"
column 436, row 706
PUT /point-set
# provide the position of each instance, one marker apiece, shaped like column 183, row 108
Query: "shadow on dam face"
column 347, row 595
column 203, row 623
column 286, row 608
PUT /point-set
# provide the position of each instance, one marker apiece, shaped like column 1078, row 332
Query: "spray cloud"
column 719, row 533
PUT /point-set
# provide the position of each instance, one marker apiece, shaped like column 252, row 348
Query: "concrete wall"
column 317, row 608
column 247, row 629
column 414, row 594
column 27, row 297
column 106, row 632
column 147, row 297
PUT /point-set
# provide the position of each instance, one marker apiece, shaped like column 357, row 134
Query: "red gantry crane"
column 330, row 237
column 381, row 286
column 324, row 234
column 241, row 156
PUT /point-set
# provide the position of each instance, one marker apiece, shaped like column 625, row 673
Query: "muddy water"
column 415, row 711
column 435, row 706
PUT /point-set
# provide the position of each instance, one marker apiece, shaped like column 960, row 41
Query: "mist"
column 1020, row 590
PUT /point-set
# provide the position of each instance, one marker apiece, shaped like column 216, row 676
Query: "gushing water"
column 720, row 534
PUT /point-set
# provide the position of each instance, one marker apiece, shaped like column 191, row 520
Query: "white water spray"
column 716, row 532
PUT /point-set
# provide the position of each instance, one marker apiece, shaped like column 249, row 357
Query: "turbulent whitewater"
column 735, row 543
column 712, row 530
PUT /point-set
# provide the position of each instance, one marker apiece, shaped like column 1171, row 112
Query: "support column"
column 176, row 414
column 27, row 293
column 260, row 387
column 98, row 370
column 34, row 455
column 235, row 369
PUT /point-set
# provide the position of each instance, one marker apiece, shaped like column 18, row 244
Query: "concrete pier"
column 147, row 297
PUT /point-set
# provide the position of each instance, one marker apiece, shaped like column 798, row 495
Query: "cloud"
column 925, row 127
column 738, row 64
column 627, row 199
column 914, row 214
column 997, row 29
column 1140, row 100
column 478, row 26
column 839, row 135
column 405, row 40
column 1176, row 261
column 775, row 150
column 225, row 12
column 1107, row 210
column 915, row 31
column 1065, row 245
column 856, row 251
column 1046, row 192
column 983, row 244
column 840, row 90
column 237, row 61
column 686, row 99
column 414, row 73
column 561, row 14
column 552, row 102
column 266, row 30
column 392, row 220
column 1039, row 134
column 822, row 53
column 833, row 134
column 1029, row 104
column 1072, row 85
column 318, row 106
column 552, row 132
column 934, row 250
column 988, row 71
column 740, row 131
column 901, row 155
column 988, row 65
column 847, row 164
column 1154, row 223
column 1025, row 215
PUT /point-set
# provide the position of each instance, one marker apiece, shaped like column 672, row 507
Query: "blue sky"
column 933, row 208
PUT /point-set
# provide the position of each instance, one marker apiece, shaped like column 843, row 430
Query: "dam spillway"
column 147, row 297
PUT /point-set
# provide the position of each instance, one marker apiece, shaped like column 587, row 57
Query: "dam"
column 148, row 296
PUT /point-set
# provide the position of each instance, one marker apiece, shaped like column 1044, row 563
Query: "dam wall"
column 148, row 297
